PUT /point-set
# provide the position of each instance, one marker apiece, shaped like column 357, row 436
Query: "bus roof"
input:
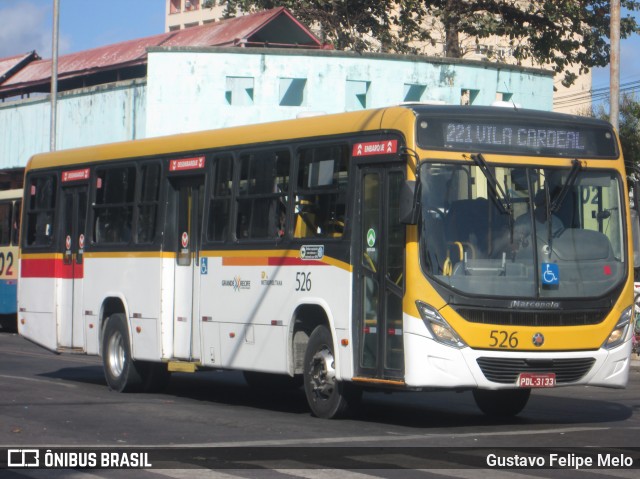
column 316, row 126
column 10, row 194
column 395, row 117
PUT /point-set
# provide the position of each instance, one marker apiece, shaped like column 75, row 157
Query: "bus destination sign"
column 532, row 138
column 535, row 138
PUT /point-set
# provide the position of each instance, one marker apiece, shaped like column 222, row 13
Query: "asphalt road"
column 54, row 401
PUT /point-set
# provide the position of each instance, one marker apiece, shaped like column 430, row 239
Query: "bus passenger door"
column 378, row 274
column 188, row 196
column 69, row 314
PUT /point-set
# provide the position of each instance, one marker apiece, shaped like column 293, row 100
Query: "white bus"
column 407, row 248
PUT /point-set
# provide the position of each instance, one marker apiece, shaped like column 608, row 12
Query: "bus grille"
column 532, row 318
column 506, row 371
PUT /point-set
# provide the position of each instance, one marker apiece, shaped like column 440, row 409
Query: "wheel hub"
column 323, row 374
column 116, row 355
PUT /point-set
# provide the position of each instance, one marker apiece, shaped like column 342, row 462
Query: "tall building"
column 574, row 99
column 191, row 13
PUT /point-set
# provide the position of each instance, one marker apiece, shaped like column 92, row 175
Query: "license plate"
column 537, row 380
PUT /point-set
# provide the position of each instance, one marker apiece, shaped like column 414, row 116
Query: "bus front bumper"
column 430, row 364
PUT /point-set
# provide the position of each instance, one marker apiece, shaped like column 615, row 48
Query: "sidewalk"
column 635, row 361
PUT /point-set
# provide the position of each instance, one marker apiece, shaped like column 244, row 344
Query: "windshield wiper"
column 500, row 197
column 576, row 166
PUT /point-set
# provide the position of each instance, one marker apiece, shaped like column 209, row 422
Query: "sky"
column 85, row 24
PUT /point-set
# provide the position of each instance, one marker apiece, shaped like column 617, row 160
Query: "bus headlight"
column 438, row 327
column 619, row 333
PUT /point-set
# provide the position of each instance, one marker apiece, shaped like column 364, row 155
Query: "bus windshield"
column 522, row 232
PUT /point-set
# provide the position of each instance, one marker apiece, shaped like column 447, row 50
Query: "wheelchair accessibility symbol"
column 550, row 274
column 204, row 266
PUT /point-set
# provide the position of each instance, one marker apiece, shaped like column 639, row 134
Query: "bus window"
column 148, row 204
column 15, row 228
column 113, row 208
column 220, row 201
column 5, row 224
column 40, row 209
column 262, row 195
column 320, row 191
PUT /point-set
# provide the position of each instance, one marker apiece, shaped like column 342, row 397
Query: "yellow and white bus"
column 10, row 201
column 407, row 248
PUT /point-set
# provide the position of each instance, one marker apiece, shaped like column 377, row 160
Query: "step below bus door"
column 379, row 243
column 70, row 319
column 187, row 196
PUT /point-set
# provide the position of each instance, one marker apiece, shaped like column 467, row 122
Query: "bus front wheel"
column 502, row 402
column 327, row 397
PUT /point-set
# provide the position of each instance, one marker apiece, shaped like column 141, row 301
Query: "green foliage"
column 555, row 34
column 629, row 130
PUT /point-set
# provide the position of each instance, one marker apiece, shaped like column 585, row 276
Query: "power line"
column 591, row 96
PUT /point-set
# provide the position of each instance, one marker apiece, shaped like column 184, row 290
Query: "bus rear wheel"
column 503, row 402
column 119, row 369
column 327, row 397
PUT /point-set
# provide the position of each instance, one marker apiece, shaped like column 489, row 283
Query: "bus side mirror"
column 635, row 234
column 408, row 203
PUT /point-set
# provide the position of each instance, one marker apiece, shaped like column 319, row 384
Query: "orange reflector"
column 344, row 342
column 22, row 321
column 232, row 335
column 138, row 329
column 90, row 325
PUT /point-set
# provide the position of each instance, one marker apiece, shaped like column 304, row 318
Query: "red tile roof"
column 276, row 27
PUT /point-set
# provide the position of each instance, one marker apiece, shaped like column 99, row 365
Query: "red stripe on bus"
column 289, row 261
column 50, row 268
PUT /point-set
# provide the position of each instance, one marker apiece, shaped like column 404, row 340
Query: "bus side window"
column 15, row 226
column 220, row 201
column 320, row 191
column 5, row 224
column 113, row 208
column 147, row 215
column 262, row 194
column 40, row 208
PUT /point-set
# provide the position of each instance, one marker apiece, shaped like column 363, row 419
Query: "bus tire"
column 327, row 397
column 503, row 402
column 120, row 371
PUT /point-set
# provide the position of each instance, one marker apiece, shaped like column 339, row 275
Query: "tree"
column 550, row 33
column 628, row 130
column 555, row 33
column 360, row 25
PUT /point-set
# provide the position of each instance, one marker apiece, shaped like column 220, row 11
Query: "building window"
column 414, row 92
column 292, row 91
column 174, row 6
column 190, row 5
column 239, row 91
column 357, row 95
column 503, row 96
column 468, row 97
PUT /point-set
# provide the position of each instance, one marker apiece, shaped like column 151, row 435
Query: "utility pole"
column 54, row 75
column 614, row 80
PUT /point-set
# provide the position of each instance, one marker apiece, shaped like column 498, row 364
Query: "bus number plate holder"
column 537, row 380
